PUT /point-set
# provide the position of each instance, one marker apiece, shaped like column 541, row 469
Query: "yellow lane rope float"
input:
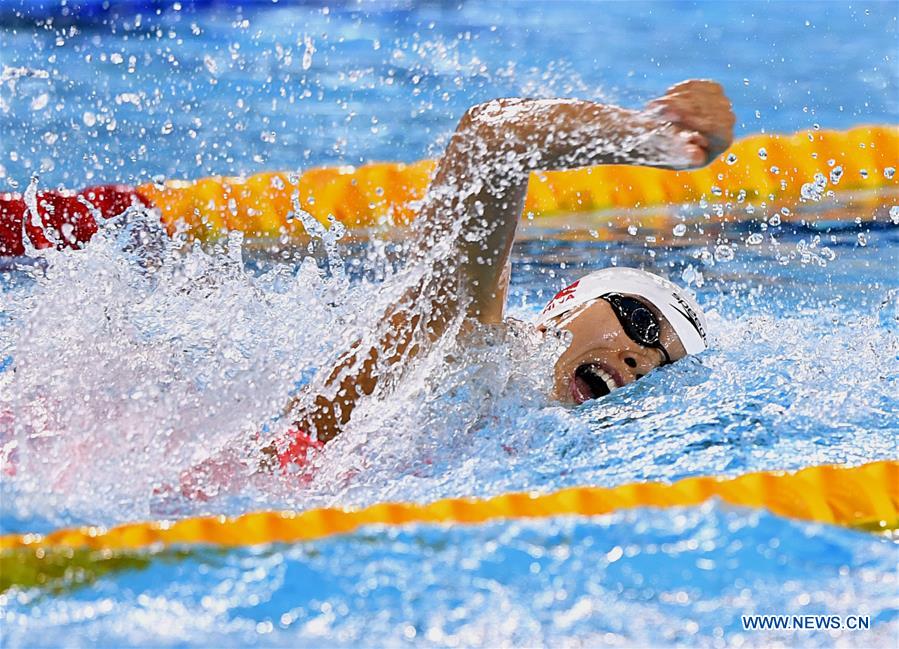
column 767, row 172
column 864, row 497
column 758, row 168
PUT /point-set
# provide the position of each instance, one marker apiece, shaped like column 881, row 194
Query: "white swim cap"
column 679, row 308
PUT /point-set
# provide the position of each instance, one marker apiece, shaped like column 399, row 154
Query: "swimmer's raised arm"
column 481, row 180
column 475, row 201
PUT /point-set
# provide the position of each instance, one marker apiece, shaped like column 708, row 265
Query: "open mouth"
column 591, row 381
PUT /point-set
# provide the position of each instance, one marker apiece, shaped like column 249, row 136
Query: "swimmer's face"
column 602, row 357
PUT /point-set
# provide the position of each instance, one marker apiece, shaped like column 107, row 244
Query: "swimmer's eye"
column 639, row 323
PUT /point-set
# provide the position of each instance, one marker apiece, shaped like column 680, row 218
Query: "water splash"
column 30, row 198
column 138, row 361
column 814, row 191
column 329, row 236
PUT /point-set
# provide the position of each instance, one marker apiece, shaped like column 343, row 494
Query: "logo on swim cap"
column 567, row 293
column 691, row 315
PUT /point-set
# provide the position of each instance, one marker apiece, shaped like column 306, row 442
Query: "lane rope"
column 865, row 497
column 768, row 172
column 779, row 170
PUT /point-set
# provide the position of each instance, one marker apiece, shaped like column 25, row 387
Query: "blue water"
column 225, row 92
column 186, row 361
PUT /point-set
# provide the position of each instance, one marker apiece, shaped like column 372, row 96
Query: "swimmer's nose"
column 639, row 364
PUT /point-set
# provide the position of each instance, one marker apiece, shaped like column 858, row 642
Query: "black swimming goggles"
column 639, row 323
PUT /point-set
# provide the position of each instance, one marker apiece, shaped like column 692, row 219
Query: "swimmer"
column 623, row 323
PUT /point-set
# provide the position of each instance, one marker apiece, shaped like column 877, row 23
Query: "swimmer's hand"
column 695, row 120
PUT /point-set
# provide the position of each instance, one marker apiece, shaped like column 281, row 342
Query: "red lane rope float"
column 757, row 168
column 62, row 215
column 865, row 496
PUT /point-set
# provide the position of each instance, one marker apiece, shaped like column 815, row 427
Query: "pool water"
column 131, row 95
column 595, row 582
column 120, row 370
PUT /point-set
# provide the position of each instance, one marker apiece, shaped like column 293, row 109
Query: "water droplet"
column 863, row 173
column 731, row 159
column 835, row 174
column 724, row 253
column 679, row 230
column 68, row 232
column 775, row 169
column 307, row 54
column 889, row 172
column 211, row 66
column 40, row 102
column 814, row 191
column 692, row 276
column 862, row 239
column 774, row 221
column 763, row 153
column 754, row 239
column 632, row 230
column 894, row 214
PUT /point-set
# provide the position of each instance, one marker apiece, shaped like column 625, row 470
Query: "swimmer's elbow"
column 488, row 115
column 493, row 127
column 485, row 108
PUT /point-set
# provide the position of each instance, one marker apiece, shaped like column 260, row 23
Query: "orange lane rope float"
column 776, row 169
column 384, row 193
column 864, row 497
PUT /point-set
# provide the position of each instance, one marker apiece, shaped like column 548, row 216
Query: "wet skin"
column 602, row 357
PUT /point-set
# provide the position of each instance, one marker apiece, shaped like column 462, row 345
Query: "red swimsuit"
column 298, row 451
